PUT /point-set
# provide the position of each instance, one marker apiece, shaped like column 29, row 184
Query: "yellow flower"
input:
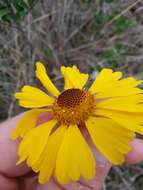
column 111, row 110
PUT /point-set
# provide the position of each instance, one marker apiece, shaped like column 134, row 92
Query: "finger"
column 28, row 181
column 136, row 154
column 8, row 183
column 102, row 168
column 8, row 150
column 51, row 185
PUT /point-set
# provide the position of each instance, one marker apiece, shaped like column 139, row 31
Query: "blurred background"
column 91, row 34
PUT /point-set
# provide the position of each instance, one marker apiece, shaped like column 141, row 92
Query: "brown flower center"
column 73, row 106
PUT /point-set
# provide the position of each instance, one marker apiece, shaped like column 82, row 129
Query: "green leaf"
column 48, row 53
column 86, row 1
column 114, row 52
column 31, row 2
column 121, row 48
column 26, row 2
column 4, row 12
column 101, row 17
column 109, row 1
column 7, row 18
column 19, row 5
column 16, row 2
column 109, row 53
column 122, row 24
column 20, row 16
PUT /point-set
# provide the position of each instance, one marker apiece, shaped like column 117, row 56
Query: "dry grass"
column 64, row 32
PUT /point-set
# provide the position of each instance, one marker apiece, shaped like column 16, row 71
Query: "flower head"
column 111, row 110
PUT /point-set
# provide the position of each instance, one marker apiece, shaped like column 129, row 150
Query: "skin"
column 21, row 177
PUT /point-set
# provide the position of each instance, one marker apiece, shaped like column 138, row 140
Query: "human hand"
column 21, row 177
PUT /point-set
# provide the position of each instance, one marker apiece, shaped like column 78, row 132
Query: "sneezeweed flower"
column 111, row 110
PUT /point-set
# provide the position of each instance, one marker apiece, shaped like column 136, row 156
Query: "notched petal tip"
column 107, row 70
column 13, row 136
column 40, row 69
column 63, row 69
column 41, row 74
column 26, row 88
column 19, row 162
column 39, row 65
column 42, row 182
column 140, row 81
column 73, row 77
column 17, row 95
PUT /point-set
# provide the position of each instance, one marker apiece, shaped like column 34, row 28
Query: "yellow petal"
column 74, row 157
column 73, row 78
column 117, row 75
column 127, row 103
column 26, row 123
column 118, row 90
column 34, row 142
column 45, row 80
column 107, row 84
column 110, row 138
column 47, row 162
column 32, row 97
column 106, row 76
column 131, row 121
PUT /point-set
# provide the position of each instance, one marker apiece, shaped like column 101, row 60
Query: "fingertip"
column 136, row 154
